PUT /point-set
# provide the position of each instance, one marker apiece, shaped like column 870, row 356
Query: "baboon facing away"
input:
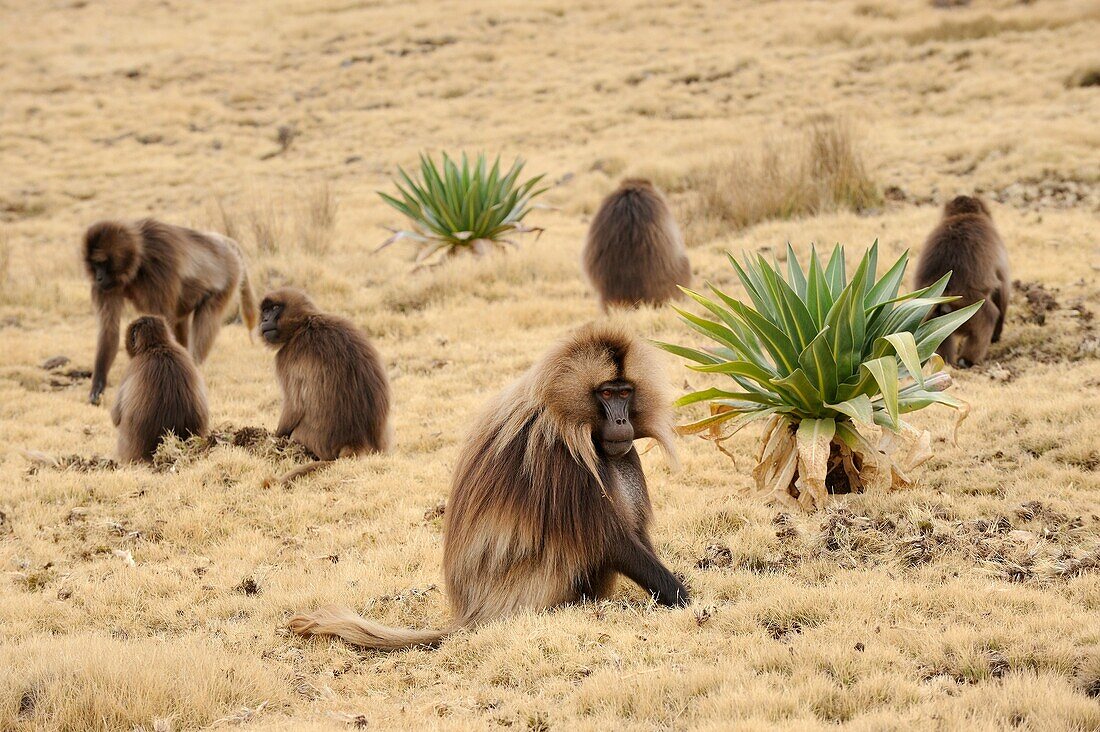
column 185, row 276
column 336, row 397
column 967, row 244
column 635, row 253
column 549, row 502
column 161, row 392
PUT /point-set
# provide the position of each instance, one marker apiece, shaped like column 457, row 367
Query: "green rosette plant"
column 832, row 364
column 461, row 207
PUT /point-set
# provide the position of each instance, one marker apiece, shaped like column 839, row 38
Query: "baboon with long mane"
column 161, row 392
column 549, row 502
column 967, row 244
column 187, row 277
column 635, row 253
column 336, row 397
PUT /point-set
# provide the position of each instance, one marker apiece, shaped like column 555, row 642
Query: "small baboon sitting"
column 161, row 392
column 336, row 397
column 635, row 253
column 966, row 244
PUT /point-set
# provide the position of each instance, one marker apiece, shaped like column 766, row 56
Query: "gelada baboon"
column 161, row 392
column 549, row 502
column 336, row 397
column 635, row 253
column 966, row 244
column 187, row 277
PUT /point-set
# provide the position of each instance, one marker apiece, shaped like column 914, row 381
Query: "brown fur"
column 967, row 244
column 538, row 514
column 635, row 253
column 161, row 392
column 336, row 397
column 185, row 276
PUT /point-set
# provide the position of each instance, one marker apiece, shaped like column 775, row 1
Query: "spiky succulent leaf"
column 459, row 205
column 813, row 344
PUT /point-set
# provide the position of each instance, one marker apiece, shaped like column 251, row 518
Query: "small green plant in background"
column 462, row 207
column 832, row 363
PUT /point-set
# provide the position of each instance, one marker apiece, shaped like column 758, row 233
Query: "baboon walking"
column 185, row 276
column 967, row 244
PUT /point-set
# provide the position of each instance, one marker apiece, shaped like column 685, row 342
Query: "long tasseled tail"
column 344, row 623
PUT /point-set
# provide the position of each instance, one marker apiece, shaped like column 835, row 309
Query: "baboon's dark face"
column 102, row 271
column 616, row 433
column 270, row 312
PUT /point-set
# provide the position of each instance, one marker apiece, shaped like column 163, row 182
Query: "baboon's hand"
column 97, row 392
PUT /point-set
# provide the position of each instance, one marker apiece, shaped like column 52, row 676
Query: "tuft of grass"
column 222, row 220
column 987, row 26
column 266, row 227
column 5, row 262
column 97, row 683
column 318, row 220
column 781, row 181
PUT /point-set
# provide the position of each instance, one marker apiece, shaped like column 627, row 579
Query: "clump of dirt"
column 1040, row 301
column 715, row 556
column 1052, row 190
column 59, row 379
column 1038, row 544
column 173, row 453
column 435, row 512
column 75, row 463
column 56, row 362
column 248, row 586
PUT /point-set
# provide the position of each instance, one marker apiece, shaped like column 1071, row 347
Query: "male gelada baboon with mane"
column 549, row 502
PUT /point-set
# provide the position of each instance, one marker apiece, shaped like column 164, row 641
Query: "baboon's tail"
column 341, row 622
column 248, row 300
column 297, row 472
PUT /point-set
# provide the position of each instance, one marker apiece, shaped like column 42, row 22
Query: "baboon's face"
column 102, row 270
column 270, row 312
column 616, row 433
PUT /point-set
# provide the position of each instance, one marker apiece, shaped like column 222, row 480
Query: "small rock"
column 55, row 362
column 715, row 556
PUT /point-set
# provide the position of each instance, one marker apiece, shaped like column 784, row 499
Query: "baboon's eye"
column 624, row 393
column 606, row 393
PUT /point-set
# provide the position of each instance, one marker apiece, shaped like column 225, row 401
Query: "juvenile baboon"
column 187, row 277
column 336, row 397
column 161, row 392
column 966, row 244
column 549, row 502
column 635, row 252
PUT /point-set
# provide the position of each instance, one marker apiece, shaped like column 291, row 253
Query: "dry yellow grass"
column 156, row 599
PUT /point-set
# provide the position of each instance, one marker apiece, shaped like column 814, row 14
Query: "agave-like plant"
column 832, row 363
column 462, row 207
